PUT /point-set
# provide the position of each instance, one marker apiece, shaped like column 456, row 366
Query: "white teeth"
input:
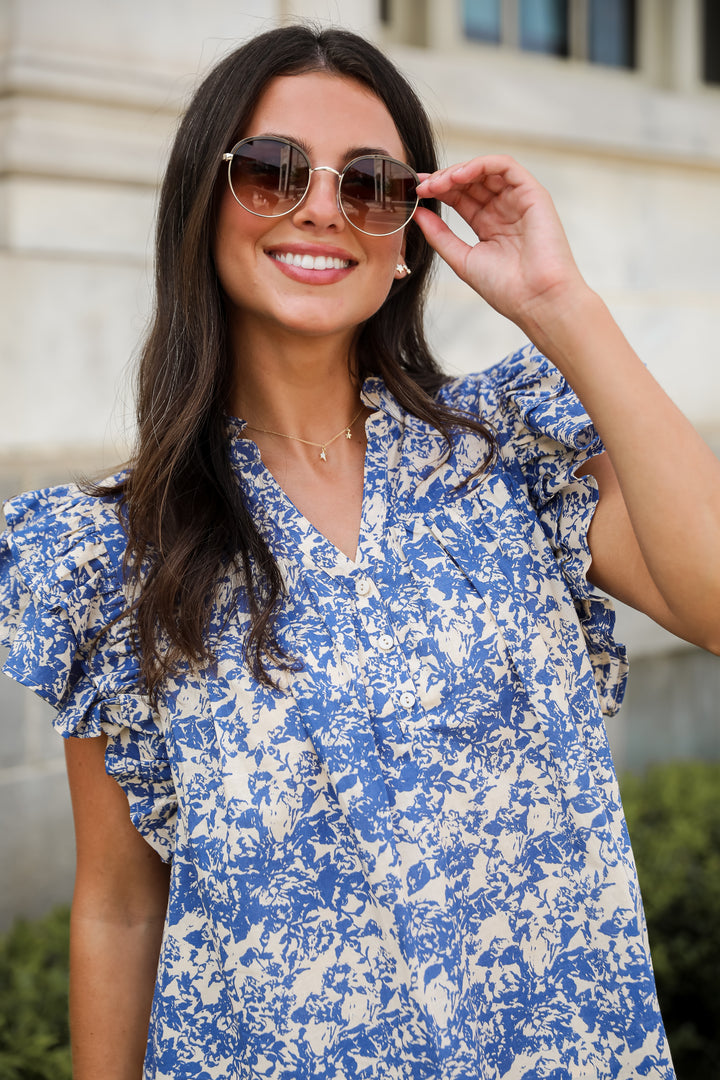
column 311, row 262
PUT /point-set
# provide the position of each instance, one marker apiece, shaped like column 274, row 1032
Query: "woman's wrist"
column 560, row 325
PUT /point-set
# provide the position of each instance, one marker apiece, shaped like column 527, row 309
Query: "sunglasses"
column 270, row 177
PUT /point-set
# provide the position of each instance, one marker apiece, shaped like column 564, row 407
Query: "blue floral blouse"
column 408, row 860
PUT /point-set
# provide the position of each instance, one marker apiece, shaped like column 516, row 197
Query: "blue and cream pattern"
column 408, row 859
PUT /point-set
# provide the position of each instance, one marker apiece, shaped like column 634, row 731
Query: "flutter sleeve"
column 63, row 619
column 545, row 435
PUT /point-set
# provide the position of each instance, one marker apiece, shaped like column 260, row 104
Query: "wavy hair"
column 186, row 518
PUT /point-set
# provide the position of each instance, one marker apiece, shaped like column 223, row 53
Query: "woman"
column 331, row 634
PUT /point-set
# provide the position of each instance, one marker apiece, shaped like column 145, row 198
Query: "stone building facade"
column 90, row 92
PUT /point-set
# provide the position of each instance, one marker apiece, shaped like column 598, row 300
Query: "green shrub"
column 673, row 814
column 34, row 1032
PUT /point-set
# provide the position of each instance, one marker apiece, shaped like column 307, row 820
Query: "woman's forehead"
column 320, row 109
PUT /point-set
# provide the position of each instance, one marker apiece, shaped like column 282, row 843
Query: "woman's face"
column 334, row 119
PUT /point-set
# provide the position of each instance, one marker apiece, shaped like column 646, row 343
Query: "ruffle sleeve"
column 61, row 590
column 545, row 435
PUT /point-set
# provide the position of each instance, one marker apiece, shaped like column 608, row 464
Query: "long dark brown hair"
column 186, row 518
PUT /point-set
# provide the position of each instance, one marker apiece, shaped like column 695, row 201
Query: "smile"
column 310, row 262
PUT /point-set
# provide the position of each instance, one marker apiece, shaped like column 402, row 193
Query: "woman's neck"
column 299, row 386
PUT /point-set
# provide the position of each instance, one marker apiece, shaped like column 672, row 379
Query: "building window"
column 711, row 41
column 611, row 33
column 602, row 31
column 544, row 26
column 482, row 21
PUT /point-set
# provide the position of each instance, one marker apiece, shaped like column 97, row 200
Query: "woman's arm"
column 118, row 912
column 655, row 537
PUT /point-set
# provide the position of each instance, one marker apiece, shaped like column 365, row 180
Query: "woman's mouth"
column 310, row 262
column 312, row 267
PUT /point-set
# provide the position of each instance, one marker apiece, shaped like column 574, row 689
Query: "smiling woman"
column 273, row 268
column 328, row 654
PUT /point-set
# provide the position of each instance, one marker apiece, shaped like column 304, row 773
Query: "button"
column 385, row 643
column 363, row 586
column 407, row 700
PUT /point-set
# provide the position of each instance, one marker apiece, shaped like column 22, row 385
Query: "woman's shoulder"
column 525, row 384
column 69, row 505
column 526, row 368
column 526, row 401
column 62, row 543
column 53, row 520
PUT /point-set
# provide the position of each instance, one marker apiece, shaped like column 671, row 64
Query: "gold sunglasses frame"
column 320, row 168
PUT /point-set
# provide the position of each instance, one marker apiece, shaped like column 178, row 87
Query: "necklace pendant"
column 322, row 454
column 348, row 433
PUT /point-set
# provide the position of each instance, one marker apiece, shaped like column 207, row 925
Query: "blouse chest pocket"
column 485, row 616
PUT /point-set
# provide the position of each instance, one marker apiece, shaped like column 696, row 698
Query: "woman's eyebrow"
column 365, row 151
column 348, row 155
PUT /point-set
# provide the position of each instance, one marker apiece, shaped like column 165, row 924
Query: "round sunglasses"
column 270, row 177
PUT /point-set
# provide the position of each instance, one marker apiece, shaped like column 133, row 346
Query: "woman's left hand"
column 522, row 264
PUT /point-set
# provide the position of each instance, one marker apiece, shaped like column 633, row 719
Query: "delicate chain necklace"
column 308, row 442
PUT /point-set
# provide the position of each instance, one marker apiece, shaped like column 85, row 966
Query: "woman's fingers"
column 490, row 193
column 442, row 239
column 503, row 169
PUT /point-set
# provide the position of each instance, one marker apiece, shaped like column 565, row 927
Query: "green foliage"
column 673, row 814
column 34, row 1032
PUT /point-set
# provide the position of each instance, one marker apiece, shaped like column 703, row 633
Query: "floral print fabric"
column 408, row 859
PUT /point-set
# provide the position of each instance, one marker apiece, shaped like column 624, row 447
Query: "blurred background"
column 613, row 104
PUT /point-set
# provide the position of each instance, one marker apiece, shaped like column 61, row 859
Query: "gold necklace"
column 308, row 442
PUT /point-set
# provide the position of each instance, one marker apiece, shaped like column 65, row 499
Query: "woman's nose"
column 321, row 204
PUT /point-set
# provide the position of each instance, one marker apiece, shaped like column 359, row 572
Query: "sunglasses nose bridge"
column 326, row 168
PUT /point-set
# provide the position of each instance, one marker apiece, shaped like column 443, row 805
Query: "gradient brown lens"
column 269, row 176
column 377, row 194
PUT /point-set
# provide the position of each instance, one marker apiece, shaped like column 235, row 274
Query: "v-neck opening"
column 306, row 536
column 309, row 528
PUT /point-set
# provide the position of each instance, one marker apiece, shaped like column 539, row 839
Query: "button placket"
column 386, row 674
